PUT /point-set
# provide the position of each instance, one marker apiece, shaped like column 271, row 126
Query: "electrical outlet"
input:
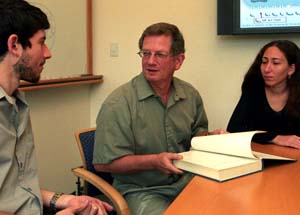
column 114, row 50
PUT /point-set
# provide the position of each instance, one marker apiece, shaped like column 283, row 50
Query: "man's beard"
column 26, row 73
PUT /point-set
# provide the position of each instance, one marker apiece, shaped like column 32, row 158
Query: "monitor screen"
column 260, row 16
column 269, row 13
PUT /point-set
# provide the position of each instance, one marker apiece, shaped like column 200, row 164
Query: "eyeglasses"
column 158, row 55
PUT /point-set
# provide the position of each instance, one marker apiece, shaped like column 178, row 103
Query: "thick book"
column 224, row 156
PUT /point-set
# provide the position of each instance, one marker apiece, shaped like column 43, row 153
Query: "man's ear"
column 179, row 60
column 14, row 47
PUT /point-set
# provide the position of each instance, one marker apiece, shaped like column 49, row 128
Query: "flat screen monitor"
column 258, row 16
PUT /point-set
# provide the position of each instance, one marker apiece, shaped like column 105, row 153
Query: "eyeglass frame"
column 157, row 55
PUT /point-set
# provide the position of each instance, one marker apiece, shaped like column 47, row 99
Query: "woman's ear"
column 291, row 69
column 14, row 47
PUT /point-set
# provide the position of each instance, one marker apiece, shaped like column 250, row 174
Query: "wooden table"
column 273, row 191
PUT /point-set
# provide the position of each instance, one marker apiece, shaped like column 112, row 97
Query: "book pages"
column 238, row 144
column 261, row 155
column 215, row 161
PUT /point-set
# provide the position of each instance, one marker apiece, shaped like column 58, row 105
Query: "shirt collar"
column 12, row 99
column 144, row 89
column 179, row 90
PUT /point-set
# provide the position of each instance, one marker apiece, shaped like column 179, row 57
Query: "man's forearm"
column 129, row 164
column 162, row 162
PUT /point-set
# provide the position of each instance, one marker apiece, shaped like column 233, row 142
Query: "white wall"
column 55, row 114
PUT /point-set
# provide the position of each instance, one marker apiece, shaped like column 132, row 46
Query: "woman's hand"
column 287, row 140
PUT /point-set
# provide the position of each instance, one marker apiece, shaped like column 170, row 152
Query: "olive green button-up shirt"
column 19, row 187
column 134, row 121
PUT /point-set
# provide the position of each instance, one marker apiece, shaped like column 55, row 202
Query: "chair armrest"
column 119, row 203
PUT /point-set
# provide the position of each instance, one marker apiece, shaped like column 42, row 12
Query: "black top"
column 253, row 112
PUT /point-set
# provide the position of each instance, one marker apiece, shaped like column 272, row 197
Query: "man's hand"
column 218, row 131
column 287, row 140
column 83, row 205
column 164, row 163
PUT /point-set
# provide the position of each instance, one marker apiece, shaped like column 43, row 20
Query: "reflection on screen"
column 269, row 13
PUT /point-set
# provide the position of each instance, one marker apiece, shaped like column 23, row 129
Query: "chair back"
column 85, row 139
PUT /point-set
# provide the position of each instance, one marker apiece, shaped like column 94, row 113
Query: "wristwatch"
column 53, row 200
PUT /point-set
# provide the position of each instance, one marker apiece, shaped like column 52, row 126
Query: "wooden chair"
column 96, row 183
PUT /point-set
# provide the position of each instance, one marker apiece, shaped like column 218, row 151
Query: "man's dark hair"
column 177, row 46
column 20, row 18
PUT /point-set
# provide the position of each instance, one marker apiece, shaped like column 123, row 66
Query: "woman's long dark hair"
column 253, row 79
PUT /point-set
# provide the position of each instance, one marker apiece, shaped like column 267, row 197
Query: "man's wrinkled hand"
column 85, row 205
column 164, row 163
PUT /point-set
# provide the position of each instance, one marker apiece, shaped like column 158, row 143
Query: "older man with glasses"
column 144, row 124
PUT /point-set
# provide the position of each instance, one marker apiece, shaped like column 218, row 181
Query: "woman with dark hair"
column 270, row 99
